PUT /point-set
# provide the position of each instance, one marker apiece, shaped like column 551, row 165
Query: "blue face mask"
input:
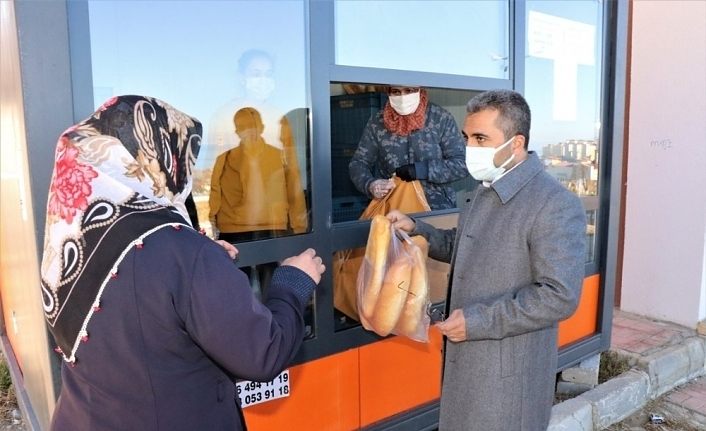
column 479, row 161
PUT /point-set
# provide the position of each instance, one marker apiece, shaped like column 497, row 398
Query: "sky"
column 185, row 52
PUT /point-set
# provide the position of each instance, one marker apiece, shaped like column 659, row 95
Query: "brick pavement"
column 640, row 337
column 691, row 396
column 643, row 336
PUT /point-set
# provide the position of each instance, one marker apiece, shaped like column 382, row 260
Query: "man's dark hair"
column 514, row 115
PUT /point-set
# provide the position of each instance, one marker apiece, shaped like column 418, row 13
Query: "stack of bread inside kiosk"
column 393, row 287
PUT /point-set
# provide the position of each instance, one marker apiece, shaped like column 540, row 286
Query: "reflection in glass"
column 255, row 191
column 590, row 236
column 562, row 85
column 574, row 163
column 255, row 187
column 454, row 37
column 249, row 53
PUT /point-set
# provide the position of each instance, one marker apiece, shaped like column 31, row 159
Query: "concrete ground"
column 683, row 408
column 679, row 410
column 666, row 382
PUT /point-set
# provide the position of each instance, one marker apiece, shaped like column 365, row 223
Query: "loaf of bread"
column 376, row 256
column 393, row 295
column 418, row 296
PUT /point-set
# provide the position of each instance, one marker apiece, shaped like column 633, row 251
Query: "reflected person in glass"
column 256, row 193
column 413, row 139
column 255, row 190
column 256, row 78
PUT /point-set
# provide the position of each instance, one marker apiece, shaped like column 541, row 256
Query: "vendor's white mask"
column 479, row 161
column 405, row 104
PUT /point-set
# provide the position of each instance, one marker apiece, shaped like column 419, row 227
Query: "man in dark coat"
column 518, row 265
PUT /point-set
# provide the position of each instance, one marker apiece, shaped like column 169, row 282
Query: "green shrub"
column 5, row 380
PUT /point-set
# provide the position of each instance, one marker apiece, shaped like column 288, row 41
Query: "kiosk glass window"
column 563, row 83
column 448, row 36
column 364, row 150
column 240, row 68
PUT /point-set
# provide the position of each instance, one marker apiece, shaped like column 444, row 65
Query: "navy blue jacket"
column 176, row 325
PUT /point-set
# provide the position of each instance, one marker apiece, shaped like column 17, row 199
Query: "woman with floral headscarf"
column 152, row 319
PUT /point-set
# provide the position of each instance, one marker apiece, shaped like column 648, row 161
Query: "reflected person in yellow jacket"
column 256, row 189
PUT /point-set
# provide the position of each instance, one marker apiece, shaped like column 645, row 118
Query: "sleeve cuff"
column 295, row 280
column 420, row 228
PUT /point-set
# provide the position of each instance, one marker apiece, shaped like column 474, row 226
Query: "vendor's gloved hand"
column 406, row 172
column 380, row 188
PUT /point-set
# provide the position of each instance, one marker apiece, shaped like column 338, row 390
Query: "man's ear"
column 518, row 142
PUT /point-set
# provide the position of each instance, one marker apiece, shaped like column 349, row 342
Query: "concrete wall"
column 665, row 222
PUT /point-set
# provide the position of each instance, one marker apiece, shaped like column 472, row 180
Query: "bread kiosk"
column 345, row 377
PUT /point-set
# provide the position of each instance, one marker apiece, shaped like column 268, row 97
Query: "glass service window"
column 365, row 150
column 563, row 88
column 260, row 276
column 240, row 68
column 454, row 37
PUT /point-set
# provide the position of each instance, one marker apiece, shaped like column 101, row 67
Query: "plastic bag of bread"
column 392, row 285
column 414, row 321
column 407, row 197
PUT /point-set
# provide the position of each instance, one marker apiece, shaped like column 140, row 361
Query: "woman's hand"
column 229, row 248
column 308, row 262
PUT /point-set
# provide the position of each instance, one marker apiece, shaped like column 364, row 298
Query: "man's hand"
column 229, row 248
column 308, row 262
column 380, row 188
column 406, row 172
column 401, row 221
column 454, row 327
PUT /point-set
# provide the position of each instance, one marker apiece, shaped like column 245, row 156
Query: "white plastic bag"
column 392, row 284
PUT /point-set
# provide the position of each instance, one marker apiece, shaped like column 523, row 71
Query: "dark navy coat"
column 176, row 325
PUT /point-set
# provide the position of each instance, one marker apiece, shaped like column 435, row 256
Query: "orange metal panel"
column 583, row 321
column 361, row 386
column 398, row 374
column 324, row 396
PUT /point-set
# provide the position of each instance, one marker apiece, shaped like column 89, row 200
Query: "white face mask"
column 479, row 161
column 260, row 87
column 405, row 104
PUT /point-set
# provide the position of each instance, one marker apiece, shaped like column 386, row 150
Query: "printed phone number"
column 251, row 393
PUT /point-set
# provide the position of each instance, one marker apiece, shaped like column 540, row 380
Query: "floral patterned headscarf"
column 120, row 175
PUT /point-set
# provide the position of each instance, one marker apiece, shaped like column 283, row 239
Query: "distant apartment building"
column 574, row 163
